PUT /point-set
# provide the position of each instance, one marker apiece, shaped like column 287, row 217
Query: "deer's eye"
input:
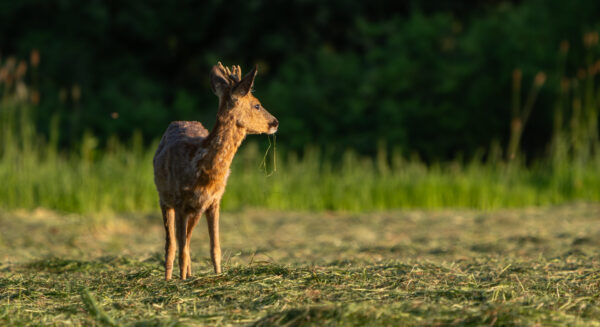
column 257, row 106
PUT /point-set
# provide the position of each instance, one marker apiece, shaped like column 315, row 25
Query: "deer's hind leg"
column 169, row 221
column 181, row 222
column 192, row 222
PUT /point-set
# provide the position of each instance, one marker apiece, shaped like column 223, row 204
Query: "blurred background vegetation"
column 494, row 103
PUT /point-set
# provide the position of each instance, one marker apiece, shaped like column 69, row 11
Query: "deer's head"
column 236, row 102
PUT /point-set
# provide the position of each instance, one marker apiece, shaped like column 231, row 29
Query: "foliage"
column 412, row 268
column 425, row 77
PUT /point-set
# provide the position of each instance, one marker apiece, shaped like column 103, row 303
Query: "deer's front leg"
column 212, row 220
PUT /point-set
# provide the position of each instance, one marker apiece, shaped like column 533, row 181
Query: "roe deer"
column 191, row 165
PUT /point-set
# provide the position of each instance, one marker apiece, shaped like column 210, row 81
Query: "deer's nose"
column 274, row 123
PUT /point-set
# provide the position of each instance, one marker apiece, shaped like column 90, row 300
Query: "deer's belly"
column 201, row 199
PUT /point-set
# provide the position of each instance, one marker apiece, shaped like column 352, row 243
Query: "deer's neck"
column 219, row 149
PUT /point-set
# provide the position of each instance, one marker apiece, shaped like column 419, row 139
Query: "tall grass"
column 119, row 178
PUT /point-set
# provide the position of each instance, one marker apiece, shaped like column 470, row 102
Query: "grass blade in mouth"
column 263, row 163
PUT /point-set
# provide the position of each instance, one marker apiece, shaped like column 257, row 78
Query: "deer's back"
column 175, row 160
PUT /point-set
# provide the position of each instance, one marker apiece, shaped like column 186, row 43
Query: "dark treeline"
column 426, row 77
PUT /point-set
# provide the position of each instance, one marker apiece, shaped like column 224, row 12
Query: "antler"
column 234, row 74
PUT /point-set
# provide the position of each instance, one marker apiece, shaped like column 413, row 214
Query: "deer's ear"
column 245, row 85
column 218, row 81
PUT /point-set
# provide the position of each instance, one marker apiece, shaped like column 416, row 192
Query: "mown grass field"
column 513, row 267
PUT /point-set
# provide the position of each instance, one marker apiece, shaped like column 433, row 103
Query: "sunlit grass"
column 119, row 178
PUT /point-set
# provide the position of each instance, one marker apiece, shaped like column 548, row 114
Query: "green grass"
column 119, row 178
column 122, row 181
column 517, row 267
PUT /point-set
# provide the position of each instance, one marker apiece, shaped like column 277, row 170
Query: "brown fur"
column 191, row 165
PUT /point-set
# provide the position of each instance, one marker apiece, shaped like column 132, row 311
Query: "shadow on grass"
column 58, row 265
column 259, row 270
column 316, row 315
